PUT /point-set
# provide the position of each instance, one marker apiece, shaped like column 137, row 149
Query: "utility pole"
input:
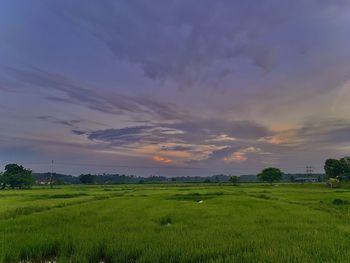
column 309, row 170
column 51, row 177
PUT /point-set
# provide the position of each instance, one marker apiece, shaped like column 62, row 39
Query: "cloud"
column 106, row 102
column 77, row 132
column 241, row 154
column 161, row 159
column 220, row 130
column 195, row 131
column 69, row 123
column 122, row 136
column 311, row 142
column 288, row 137
column 187, row 42
column 186, row 138
column 252, row 66
column 221, row 138
column 236, row 157
column 195, row 140
column 327, row 132
column 187, row 141
column 181, row 41
column 178, row 148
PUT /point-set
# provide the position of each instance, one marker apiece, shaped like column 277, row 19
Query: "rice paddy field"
column 176, row 223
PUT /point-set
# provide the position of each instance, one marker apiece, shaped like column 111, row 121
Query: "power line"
column 51, row 182
column 309, row 170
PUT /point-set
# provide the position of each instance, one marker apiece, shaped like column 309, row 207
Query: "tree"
column 87, row 178
column 333, row 168
column 2, row 181
column 16, row 176
column 270, row 175
column 234, row 179
column 345, row 163
column 58, row 181
column 337, row 168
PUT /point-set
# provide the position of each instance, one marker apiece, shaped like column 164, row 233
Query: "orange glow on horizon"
column 161, row 159
column 236, row 157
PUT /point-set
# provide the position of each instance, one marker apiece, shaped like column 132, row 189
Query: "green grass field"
column 166, row 223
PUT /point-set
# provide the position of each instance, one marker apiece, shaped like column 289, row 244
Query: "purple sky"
column 185, row 87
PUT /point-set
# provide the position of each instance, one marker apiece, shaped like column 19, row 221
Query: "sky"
column 185, row 87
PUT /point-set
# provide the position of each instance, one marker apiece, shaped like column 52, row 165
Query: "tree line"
column 336, row 170
column 16, row 176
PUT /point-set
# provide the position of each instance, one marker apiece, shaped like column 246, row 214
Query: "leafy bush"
column 195, row 196
column 340, row 202
column 333, row 182
column 263, row 196
column 165, row 221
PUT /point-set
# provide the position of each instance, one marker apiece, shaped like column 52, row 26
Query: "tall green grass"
column 192, row 223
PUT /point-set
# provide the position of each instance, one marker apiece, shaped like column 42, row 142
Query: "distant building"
column 306, row 180
column 41, row 182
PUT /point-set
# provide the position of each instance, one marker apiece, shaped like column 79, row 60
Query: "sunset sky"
column 185, row 87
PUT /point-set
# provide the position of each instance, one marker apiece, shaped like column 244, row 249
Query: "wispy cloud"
column 241, row 154
column 106, row 102
column 161, row 159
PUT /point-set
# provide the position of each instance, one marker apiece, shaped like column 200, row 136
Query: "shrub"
column 165, row 221
column 333, row 182
column 340, row 202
